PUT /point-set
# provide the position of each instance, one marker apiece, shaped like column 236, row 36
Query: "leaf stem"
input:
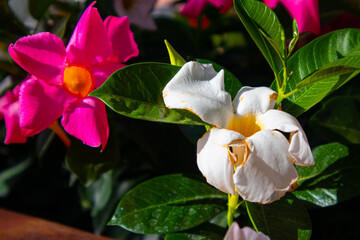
column 251, row 219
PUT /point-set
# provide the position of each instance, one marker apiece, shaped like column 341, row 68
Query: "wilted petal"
column 9, row 110
column 306, row 13
column 86, row 120
column 268, row 172
column 199, row 89
column 40, row 105
column 254, row 100
column 299, row 148
column 245, row 233
column 41, row 54
column 122, row 39
column 89, row 42
column 213, row 158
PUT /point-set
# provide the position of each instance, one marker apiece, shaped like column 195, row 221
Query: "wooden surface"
column 15, row 226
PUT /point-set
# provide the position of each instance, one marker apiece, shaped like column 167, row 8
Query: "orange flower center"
column 78, row 80
column 246, row 125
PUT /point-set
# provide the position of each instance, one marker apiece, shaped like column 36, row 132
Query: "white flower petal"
column 213, row 158
column 268, row 172
column 299, row 146
column 245, row 233
column 199, row 89
column 254, row 100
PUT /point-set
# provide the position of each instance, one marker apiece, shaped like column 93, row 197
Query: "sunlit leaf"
column 258, row 17
column 136, row 91
column 168, row 204
column 338, row 48
column 175, row 57
column 334, row 178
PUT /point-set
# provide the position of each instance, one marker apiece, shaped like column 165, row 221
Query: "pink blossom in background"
column 306, row 13
column 193, row 8
column 9, row 111
column 63, row 77
column 246, row 233
column 138, row 12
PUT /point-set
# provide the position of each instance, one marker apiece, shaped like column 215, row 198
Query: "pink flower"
column 193, row 8
column 9, row 111
column 246, row 233
column 306, row 13
column 63, row 77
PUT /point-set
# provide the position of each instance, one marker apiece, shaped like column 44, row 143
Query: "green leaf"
column 340, row 115
column 232, row 83
column 88, row 163
column 338, row 48
column 175, row 58
column 295, row 38
column 334, row 178
column 324, row 73
column 168, row 204
column 205, row 231
column 286, row 218
column 258, row 17
column 37, row 8
column 136, row 91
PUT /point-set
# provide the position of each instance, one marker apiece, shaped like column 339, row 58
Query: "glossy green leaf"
column 341, row 116
column 136, row 91
column 255, row 16
column 339, row 48
column 205, row 231
column 324, row 73
column 168, row 204
column 88, row 163
column 334, row 178
column 286, row 218
column 232, row 83
column 175, row 58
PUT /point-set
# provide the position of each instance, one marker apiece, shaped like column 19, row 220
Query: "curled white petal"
column 254, row 100
column 199, row 89
column 268, row 172
column 299, row 148
column 213, row 158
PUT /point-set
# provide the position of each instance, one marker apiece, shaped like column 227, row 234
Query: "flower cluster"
column 61, row 78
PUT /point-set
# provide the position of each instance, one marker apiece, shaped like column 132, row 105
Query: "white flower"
column 246, row 233
column 246, row 153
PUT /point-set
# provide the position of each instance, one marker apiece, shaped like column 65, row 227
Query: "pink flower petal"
column 9, row 109
column 41, row 54
column 86, row 120
column 40, row 105
column 306, row 13
column 102, row 71
column 89, row 42
column 122, row 39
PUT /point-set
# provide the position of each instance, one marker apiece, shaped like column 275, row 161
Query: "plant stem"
column 251, row 219
column 61, row 133
column 232, row 206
